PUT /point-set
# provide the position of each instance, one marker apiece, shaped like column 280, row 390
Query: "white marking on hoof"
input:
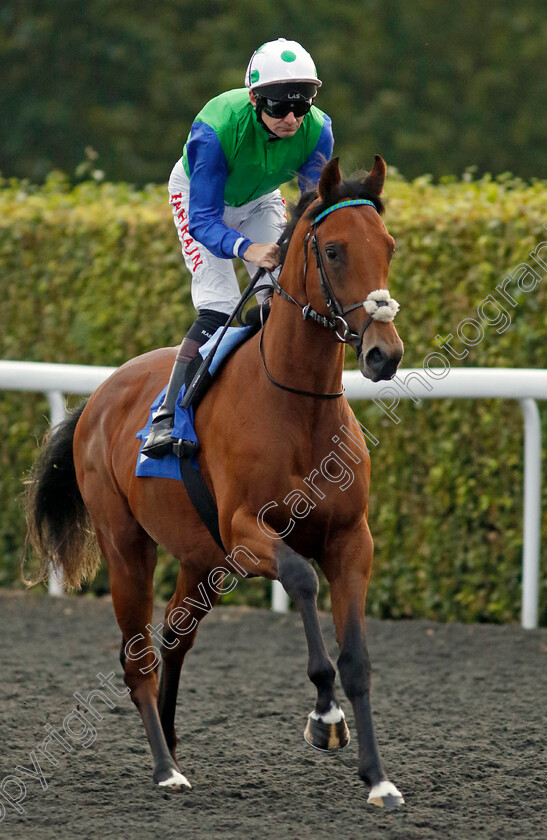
column 385, row 795
column 175, row 780
column 334, row 714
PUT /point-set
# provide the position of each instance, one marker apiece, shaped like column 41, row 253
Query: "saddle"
column 183, row 465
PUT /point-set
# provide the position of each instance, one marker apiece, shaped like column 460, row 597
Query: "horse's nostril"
column 381, row 365
column 375, row 357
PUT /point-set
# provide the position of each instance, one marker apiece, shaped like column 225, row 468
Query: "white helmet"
column 280, row 62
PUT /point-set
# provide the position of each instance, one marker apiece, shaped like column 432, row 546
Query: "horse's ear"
column 376, row 177
column 330, row 178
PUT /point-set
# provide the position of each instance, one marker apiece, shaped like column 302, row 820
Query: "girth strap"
column 197, row 489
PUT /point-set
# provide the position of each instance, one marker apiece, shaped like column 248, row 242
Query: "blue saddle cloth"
column 168, row 467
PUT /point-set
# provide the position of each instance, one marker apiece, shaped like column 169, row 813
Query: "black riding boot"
column 159, row 442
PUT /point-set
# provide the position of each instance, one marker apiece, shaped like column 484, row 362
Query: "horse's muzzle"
column 378, row 364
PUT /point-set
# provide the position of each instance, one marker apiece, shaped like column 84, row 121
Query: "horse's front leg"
column 326, row 727
column 347, row 564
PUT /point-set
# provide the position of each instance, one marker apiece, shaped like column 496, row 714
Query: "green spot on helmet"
column 279, row 62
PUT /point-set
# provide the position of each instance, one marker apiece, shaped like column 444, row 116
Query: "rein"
column 378, row 304
column 332, row 396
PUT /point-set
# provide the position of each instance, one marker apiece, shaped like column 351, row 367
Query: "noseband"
column 378, row 304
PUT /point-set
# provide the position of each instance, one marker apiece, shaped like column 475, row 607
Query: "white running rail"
column 522, row 384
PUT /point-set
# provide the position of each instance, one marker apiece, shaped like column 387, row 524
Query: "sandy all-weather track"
column 459, row 713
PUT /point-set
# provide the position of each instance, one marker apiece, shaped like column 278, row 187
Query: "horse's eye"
column 331, row 253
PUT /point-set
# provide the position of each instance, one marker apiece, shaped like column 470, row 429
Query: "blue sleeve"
column 208, row 174
column 310, row 172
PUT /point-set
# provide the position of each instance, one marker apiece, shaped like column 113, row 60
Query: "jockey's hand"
column 265, row 255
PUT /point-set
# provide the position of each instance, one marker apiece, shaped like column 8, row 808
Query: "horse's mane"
column 355, row 187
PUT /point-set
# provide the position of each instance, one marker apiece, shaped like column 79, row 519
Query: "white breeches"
column 214, row 282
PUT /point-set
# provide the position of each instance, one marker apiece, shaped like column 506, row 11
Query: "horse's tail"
column 58, row 522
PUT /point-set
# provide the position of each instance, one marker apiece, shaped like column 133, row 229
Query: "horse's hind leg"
column 131, row 557
column 192, row 600
column 326, row 728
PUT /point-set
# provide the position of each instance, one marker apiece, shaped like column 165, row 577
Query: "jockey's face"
column 286, row 127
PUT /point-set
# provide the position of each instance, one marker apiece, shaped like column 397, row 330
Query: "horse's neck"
column 301, row 354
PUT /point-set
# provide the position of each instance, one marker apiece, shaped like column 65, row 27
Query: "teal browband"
column 349, row 203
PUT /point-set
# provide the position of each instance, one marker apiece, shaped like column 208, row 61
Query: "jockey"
column 225, row 197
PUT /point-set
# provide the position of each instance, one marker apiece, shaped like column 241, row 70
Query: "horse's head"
column 348, row 251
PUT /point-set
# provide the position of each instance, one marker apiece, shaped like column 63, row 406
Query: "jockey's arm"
column 208, row 174
column 310, row 172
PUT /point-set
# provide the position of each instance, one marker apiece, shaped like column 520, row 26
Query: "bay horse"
column 265, row 426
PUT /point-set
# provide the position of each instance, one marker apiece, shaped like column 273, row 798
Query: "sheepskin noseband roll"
column 380, row 306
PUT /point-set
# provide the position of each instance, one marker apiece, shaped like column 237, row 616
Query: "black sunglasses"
column 278, row 109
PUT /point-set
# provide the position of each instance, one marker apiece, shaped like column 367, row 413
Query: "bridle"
column 379, row 305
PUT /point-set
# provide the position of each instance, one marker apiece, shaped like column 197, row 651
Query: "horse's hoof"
column 173, row 780
column 386, row 795
column 328, row 731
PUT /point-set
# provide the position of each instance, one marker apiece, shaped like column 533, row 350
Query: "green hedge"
column 93, row 275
